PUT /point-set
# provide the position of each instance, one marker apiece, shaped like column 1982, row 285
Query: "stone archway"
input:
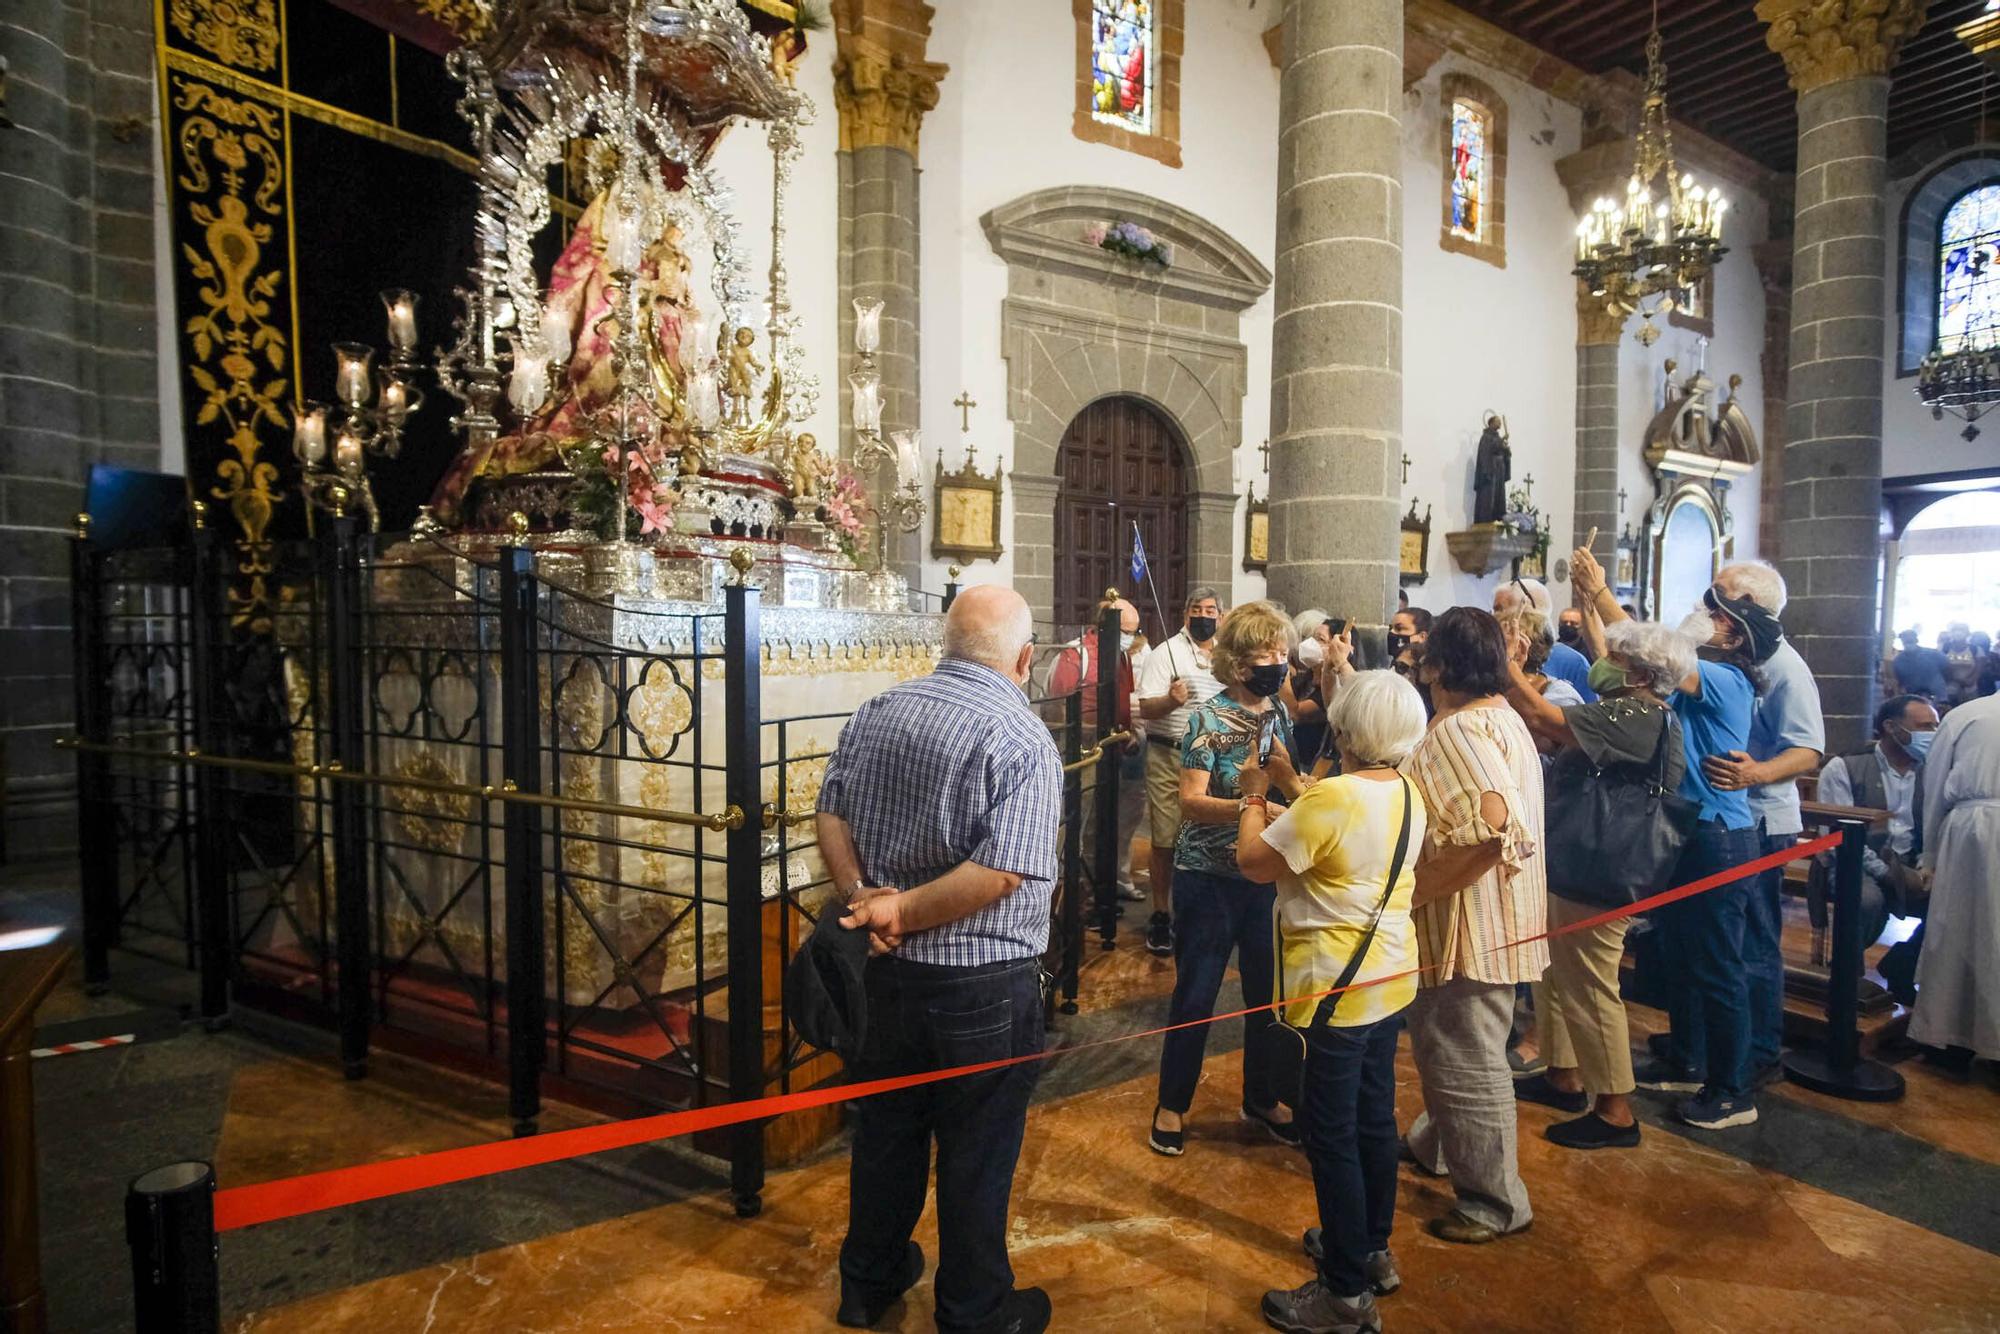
column 1080, row 324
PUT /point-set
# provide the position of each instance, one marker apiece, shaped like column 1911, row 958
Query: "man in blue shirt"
column 1787, row 735
column 1564, row 663
column 937, row 820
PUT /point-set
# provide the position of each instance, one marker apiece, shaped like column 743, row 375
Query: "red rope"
column 268, row 1201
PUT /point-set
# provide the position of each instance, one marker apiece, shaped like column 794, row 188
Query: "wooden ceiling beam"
column 1600, row 20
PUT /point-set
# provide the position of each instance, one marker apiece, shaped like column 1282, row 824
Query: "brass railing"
column 730, row 817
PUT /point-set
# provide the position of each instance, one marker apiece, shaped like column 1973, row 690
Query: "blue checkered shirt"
column 949, row 768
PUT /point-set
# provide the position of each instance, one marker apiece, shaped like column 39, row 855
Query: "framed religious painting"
column 1415, row 564
column 965, row 513
column 1256, row 532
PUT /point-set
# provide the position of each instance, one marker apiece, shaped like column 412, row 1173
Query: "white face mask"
column 1698, row 625
column 1128, row 639
column 1311, row 653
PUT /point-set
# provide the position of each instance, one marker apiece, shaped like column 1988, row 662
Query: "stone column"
column 882, row 86
column 1597, row 335
column 1774, row 267
column 1838, row 54
column 1337, row 334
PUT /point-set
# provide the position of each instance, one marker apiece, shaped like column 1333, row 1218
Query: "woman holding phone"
column 1216, row 910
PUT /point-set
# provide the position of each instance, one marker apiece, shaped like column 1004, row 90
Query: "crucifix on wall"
column 965, row 404
column 1265, row 450
column 1406, row 467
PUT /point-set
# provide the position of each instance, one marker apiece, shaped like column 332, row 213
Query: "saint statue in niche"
column 1492, row 467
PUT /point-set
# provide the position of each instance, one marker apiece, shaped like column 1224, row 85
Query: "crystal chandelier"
column 1666, row 235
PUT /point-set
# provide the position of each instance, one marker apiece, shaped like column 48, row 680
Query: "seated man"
column 1888, row 776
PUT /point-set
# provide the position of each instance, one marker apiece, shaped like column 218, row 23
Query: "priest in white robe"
column 1958, row 977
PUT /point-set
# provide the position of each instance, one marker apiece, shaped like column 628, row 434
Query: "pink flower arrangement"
column 1131, row 240
column 1095, row 232
column 651, row 499
column 847, row 507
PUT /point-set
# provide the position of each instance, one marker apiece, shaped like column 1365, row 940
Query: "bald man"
column 938, row 821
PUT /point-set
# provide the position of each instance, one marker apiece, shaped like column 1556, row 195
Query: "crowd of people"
column 1418, row 847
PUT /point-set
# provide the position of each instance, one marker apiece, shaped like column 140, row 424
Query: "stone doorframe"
column 1080, row 323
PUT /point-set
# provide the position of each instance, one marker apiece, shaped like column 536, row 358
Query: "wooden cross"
column 1265, row 450
column 1406, row 467
column 964, row 403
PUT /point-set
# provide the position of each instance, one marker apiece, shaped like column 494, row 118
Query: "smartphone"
column 1336, row 625
column 1267, row 734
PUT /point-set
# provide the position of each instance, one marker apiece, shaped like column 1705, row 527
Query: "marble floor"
column 1826, row 1216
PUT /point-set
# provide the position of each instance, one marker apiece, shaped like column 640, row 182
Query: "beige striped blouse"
column 1469, row 753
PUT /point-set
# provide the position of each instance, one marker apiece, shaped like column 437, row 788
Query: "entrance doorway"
column 1121, row 463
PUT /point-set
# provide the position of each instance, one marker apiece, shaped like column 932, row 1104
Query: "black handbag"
column 1614, row 833
column 1281, row 1045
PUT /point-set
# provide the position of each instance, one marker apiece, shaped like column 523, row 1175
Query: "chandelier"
column 1966, row 380
column 1666, row 235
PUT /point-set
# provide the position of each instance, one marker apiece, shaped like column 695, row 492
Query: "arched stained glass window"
column 1968, row 284
column 1121, row 45
column 1471, row 167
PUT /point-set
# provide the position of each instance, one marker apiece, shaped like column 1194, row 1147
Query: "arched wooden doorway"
column 1121, row 462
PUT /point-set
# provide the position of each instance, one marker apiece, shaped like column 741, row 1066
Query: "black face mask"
column 1267, row 680
column 1397, row 643
column 1201, row 629
column 1567, row 634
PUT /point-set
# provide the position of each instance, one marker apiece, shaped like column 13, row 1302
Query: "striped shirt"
column 1464, row 755
column 950, row 768
column 1176, row 659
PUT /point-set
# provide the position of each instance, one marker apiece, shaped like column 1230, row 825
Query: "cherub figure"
column 740, row 378
column 692, row 460
column 808, row 468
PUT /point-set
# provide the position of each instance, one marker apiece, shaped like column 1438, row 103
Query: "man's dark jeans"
column 1763, row 959
column 1214, row 915
column 1709, row 991
column 931, row 1017
column 1348, row 1121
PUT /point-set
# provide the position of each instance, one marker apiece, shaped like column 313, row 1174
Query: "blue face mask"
column 1919, row 743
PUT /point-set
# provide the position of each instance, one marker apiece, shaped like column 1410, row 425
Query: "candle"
column 401, row 304
column 395, row 399
column 867, row 387
column 704, row 397
column 556, row 333
column 624, row 239
column 696, row 339
column 867, row 325
column 309, row 433
column 909, row 456
column 347, row 451
column 352, row 377
column 1661, row 225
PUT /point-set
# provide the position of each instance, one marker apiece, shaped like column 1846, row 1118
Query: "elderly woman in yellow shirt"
column 1343, row 891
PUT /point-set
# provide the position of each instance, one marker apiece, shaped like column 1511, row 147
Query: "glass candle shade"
column 528, row 385
column 401, row 305
column 394, row 398
column 347, row 452
column 909, row 455
column 867, row 387
column 556, row 334
column 353, row 374
column 867, row 325
column 309, row 433
column 704, row 397
column 697, row 339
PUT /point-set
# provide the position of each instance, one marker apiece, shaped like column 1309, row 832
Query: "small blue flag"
column 1138, row 554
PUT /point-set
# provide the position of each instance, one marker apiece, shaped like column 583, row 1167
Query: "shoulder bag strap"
column 1354, row 961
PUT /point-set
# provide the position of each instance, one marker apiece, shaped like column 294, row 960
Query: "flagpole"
column 1139, row 553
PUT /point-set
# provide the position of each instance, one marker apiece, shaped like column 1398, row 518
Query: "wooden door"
column 1120, row 463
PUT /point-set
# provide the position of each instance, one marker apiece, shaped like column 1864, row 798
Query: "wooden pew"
column 26, row 978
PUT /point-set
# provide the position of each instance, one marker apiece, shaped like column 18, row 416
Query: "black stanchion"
column 208, row 628
column 1110, row 773
column 97, row 857
column 1072, row 854
column 340, row 589
column 520, row 742
column 1838, row 1069
column 743, row 760
column 950, row 590
column 170, row 1227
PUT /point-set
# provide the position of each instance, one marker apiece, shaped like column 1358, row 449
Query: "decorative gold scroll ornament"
column 243, row 33
column 239, row 355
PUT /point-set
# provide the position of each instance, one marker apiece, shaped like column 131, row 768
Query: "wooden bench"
column 26, row 979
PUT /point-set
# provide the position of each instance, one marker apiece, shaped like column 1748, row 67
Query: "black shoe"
column 1172, row 1143
column 1593, row 1132
column 859, row 1311
column 1025, row 1311
column 1285, row 1132
column 1160, row 933
column 1537, row 1088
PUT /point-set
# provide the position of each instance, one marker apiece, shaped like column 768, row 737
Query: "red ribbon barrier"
column 269, row 1201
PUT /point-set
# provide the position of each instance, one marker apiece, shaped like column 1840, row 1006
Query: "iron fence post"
column 97, row 856
column 1837, row 1069
column 1072, row 864
column 743, row 788
column 208, row 617
column 340, row 571
column 520, row 741
column 1110, row 772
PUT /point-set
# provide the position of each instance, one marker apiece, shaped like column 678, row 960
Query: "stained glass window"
column 1121, row 45
column 1470, row 128
column 1969, row 271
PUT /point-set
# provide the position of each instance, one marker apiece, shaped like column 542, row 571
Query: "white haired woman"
column 1588, row 1041
column 1343, row 892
